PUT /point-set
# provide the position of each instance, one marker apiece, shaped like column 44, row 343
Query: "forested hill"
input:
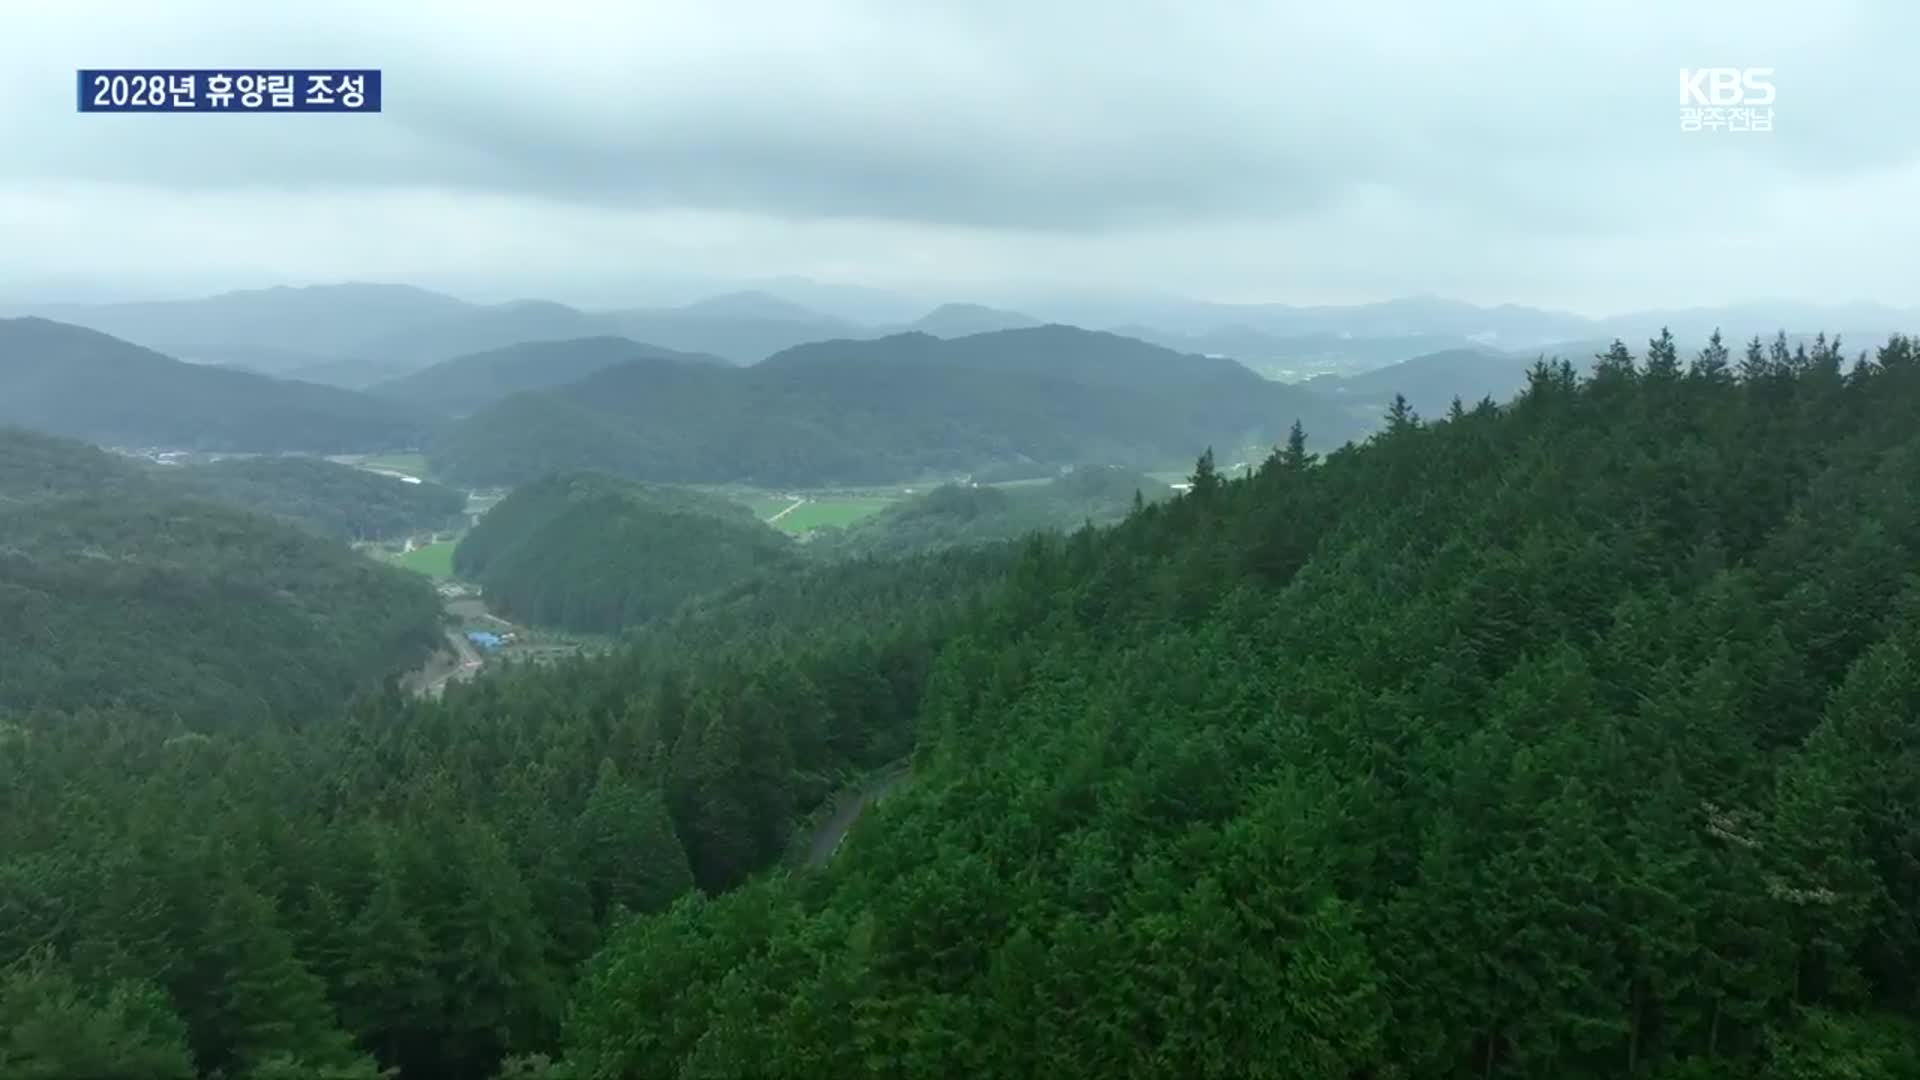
column 1573, row 738
column 590, row 552
column 70, row 381
column 465, row 383
column 956, row 515
column 115, row 592
column 328, row 498
column 1570, row 739
column 324, row 497
column 879, row 411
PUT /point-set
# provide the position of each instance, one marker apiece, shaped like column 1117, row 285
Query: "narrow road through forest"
column 848, row 807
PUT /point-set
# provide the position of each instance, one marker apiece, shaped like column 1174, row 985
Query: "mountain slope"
column 321, row 319
column 466, row 383
column 1570, row 739
column 120, row 594
column 878, row 411
column 591, row 553
column 82, row 383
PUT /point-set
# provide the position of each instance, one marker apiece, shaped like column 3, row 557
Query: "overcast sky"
column 1338, row 151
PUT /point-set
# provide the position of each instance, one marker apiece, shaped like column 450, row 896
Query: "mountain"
column 333, row 500
column 753, row 304
column 466, row 383
column 592, row 553
column 1574, row 739
column 742, row 331
column 260, row 359
column 477, row 329
column 320, row 319
column 119, row 594
column 901, row 407
column 1430, row 382
column 960, row 320
column 72, row 381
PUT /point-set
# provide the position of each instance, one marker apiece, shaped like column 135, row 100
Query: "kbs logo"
column 1726, row 99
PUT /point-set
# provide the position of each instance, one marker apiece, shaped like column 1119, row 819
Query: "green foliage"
column 333, row 500
column 593, row 553
column 962, row 516
column 896, row 408
column 191, row 613
column 51, row 1028
column 1570, row 738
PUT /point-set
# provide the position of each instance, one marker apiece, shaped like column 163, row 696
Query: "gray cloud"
column 1229, row 145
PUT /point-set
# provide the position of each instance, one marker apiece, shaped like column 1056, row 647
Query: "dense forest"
column 328, row 498
column 879, row 411
column 116, row 592
column 957, row 515
column 415, row 884
column 84, row 384
column 589, row 552
column 1567, row 738
column 321, row 496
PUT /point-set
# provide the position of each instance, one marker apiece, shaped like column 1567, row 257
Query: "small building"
column 486, row 639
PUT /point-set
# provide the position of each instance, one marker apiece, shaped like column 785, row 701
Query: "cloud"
column 991, row 139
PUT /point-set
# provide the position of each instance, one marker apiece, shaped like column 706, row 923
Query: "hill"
column 1570, row 738
column 956, row 515
column 1567, row 739
column 466, row 383
column 333, row 500
column 592, row 553
column 81, row 383
column 120, row 595
column 896, row 408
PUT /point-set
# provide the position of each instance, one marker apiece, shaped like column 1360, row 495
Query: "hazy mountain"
column 73, row 381
column 321, row 319
column 960, row 320
column 881, row 410
column 1430, row 382
column 263, row 359
column 465, row 383
column 741, row 331
column 859, row 304
column 477, row 329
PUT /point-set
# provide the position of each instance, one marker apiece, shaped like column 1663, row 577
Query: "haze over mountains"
column 358, row 335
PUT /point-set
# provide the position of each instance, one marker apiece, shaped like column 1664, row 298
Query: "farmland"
column 434, row 560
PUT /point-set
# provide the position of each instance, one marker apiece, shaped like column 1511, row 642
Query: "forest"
column 589, row 552
column 115, row 590
column 333, row 500
column 1570, row 737
column 881, row 411
column 957, row 515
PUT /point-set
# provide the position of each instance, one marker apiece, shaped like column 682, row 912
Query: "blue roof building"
column 484, row 639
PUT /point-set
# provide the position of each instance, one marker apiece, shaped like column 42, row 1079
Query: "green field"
column 434, row 560
column 411, row 464
column 830, row 510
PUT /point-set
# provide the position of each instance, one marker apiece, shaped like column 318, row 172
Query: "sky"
column 604, row 153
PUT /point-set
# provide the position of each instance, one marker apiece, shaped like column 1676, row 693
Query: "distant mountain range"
column 463, row 384
column 358, row 335
column 881, row 410
column 68, row 380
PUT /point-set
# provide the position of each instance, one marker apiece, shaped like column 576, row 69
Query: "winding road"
column 848, row 806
